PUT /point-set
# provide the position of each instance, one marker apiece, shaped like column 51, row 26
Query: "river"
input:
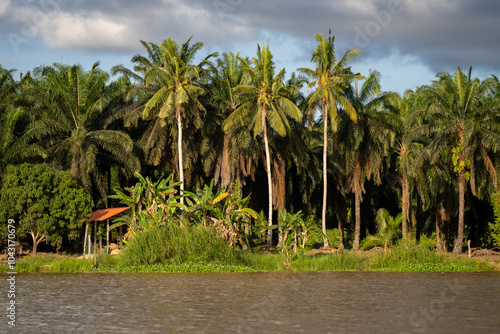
column 280, row 302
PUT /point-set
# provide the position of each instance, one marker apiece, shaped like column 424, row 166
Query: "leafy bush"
column 427, row 241
column 494, row 228
column 174, row 244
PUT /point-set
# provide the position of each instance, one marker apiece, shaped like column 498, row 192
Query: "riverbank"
column 415, row 260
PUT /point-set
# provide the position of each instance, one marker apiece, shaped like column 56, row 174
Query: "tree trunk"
column 439, row 224
column 269, row 178
column 341, row 231
column 461, row 213
column 179, row 150
column 358, row 193
column 325, row 176
column 405, row 204
column 36, row 241
column 357, row 228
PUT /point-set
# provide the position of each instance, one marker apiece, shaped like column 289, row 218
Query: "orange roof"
column 104, row 214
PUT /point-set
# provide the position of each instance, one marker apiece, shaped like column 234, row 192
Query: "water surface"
column 282, row 302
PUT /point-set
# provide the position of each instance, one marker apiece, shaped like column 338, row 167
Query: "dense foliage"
column 242, row 140
column 47, row 204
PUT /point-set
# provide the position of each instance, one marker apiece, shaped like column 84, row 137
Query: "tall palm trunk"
column 269, row 178
column 439, row 227
column 405, row 207
column 325, row 176
column 357, row 205
column 179, row 150
column 357, row 210
column 457, row 248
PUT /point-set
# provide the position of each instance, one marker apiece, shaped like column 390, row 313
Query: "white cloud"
column 4, row 5
column 89, row 32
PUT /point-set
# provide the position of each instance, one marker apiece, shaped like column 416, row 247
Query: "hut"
column 100, row 215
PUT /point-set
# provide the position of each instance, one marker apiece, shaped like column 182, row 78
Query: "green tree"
column 405, row 120
column 264, row 102
column 14, row 145
column 388, row 230
column 463, row 123
column 73, row 108
column 228, row 154
column 366, row 143
column 331, row 77
column 177, row 90
column 47, row 204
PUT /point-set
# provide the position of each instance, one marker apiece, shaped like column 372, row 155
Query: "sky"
column 407, row 41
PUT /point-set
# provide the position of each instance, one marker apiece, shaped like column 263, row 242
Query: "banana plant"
column 147, row 199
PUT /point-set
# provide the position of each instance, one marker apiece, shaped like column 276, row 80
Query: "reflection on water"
column 326, row 302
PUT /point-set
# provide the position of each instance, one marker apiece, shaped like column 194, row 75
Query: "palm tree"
column 388, row 229
column 73, row 106
column 151, row 136
column 330, row 77
column 13, row 144
column 405, row 120
column 264, row 102
column 231, row 154
column 177, row 91
column 462, row 122
column 366, row 144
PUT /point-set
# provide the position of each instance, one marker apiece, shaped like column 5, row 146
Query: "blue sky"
column 408, row 41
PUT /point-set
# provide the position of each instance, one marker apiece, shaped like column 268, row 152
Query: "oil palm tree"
column 264, row 104
column 405, row 120
column 14, row 145
column 72, row 107
column 366, row 144
column 230, row 154
column 177, row 90
column 463, row 123
column 330, row 78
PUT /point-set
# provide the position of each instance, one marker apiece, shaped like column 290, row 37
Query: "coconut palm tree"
column 149, row 135
column 462, row 122
column 177, row 90
column 264, row 102
column 72, row 107
column 330, row 78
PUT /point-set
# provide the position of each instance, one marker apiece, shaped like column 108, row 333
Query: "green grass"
column 39, row 263
column 403, row 257
column 344, row 261
column 417, row 258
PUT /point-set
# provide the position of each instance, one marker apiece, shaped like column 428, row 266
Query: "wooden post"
column 95, row 243
column 90, row 245
column 121, row 236
column 468, row 245
column 85, row 240
column 107, row 236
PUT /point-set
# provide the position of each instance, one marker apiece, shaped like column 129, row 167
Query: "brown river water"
column 280, row 302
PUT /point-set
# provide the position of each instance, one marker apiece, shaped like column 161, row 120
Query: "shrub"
column 174, row 244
